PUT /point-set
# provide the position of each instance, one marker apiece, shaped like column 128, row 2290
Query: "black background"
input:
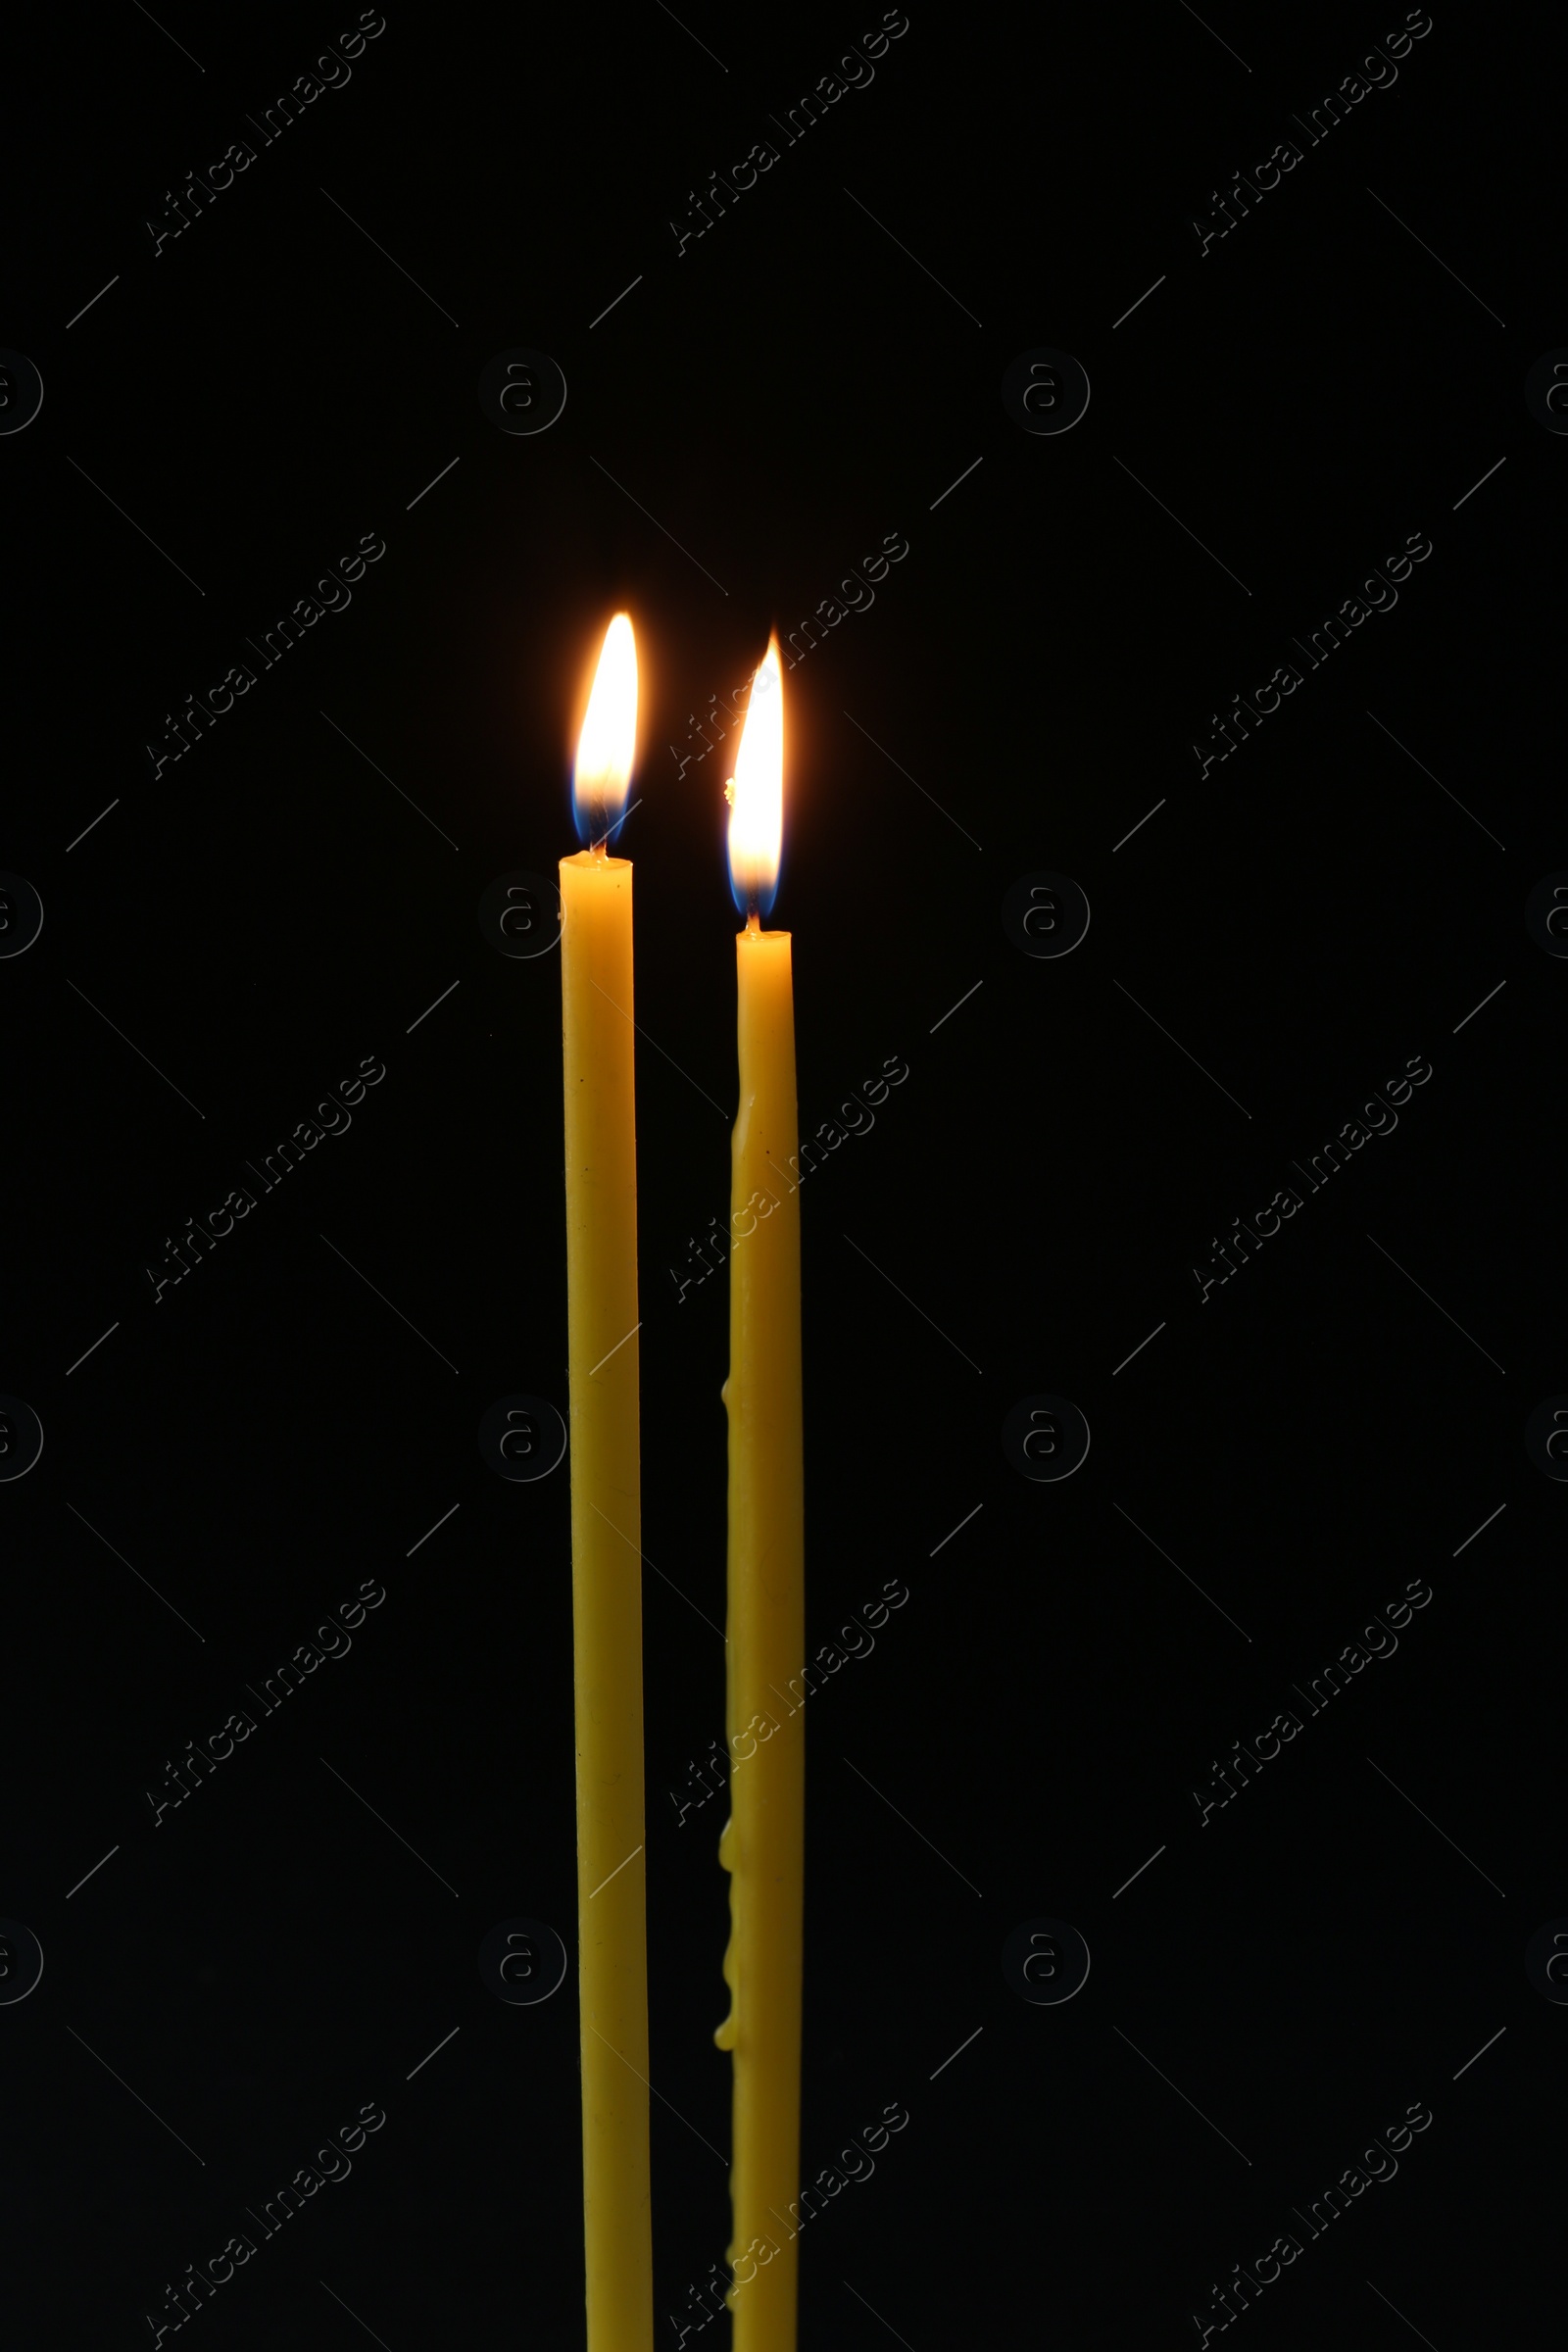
column 780, row 395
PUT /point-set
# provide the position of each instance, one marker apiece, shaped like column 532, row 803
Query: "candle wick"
column 753, row 921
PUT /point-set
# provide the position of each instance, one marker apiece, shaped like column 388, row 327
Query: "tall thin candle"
column 763, row 1844
column 596, row 979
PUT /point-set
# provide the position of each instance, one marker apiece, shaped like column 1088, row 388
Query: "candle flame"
column 607, row 746
column 755, row 792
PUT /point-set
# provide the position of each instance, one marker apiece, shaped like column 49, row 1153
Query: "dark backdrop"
column 228, row 934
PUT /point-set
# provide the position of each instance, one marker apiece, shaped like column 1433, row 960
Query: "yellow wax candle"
column 596, row 981
column 763, row 1844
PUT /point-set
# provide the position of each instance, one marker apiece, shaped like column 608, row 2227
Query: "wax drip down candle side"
column 763, row 1845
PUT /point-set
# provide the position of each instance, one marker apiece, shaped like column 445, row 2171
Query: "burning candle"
column 596, row 981
column 764, row 1843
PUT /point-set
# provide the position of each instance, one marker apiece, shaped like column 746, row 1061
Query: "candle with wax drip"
column 762, row 1847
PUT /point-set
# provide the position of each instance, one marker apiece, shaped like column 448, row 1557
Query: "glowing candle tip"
column 607, row 746
column 755, row 793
